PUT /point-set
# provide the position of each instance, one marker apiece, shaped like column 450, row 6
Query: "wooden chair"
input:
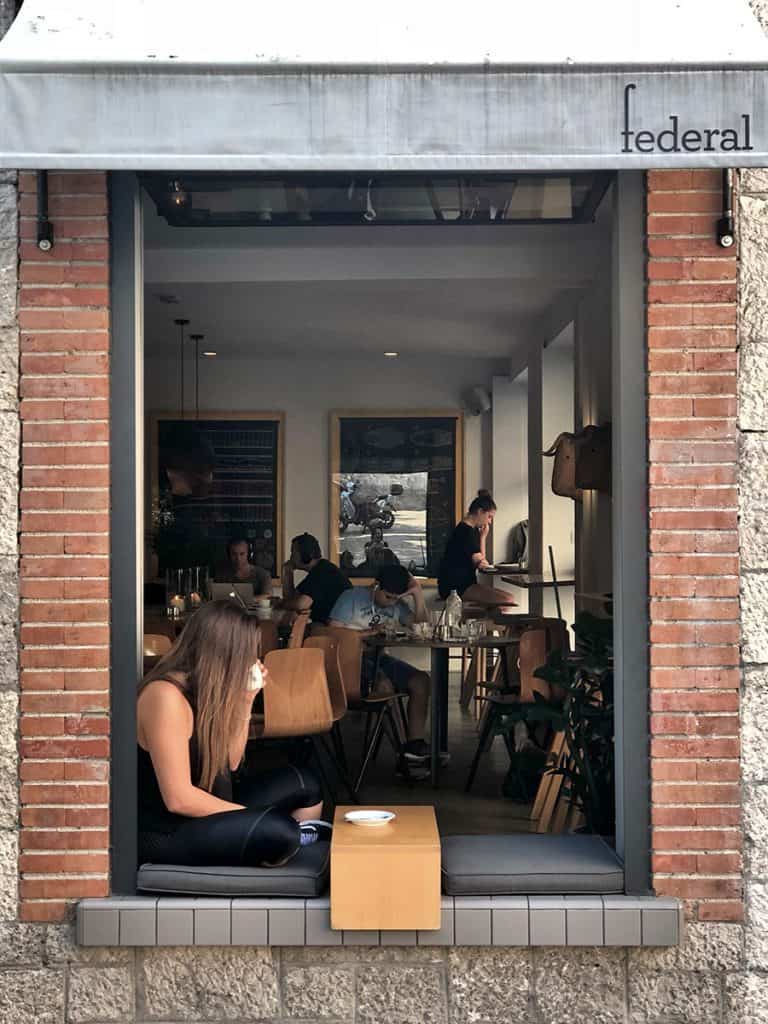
column 384, row 714
column 296, row 699
column 537, row 641
column 155, row 645
column 298, row 631
column 270, row 640
column 330, row 647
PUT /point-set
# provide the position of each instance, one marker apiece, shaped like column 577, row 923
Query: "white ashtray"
column 369, row 817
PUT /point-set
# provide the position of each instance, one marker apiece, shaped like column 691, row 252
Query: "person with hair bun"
column 465, row 554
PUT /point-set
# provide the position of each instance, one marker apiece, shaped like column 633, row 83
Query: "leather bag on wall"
column 564, row 467
column 593, row 458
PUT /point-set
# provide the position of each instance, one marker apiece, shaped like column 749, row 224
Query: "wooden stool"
column 386, row 877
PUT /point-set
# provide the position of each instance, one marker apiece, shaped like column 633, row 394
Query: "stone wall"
column 753, row 424
column 44, row 979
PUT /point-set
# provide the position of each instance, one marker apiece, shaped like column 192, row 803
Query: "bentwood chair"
column 383, row 714
column 330, row 647
column 296, row 703
column 298, row 630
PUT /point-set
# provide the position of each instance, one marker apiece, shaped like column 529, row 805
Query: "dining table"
column 439, row 653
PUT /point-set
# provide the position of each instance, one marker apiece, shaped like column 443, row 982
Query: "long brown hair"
column 212, row 661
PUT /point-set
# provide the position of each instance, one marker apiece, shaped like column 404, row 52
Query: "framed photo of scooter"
column 396, row 489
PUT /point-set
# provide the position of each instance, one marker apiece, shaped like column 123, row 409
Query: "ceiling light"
column 391, row 355
column 209, row 355
column 178, row 196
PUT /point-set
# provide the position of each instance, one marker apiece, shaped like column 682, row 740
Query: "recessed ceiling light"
column 209, row 355
column 391, row 355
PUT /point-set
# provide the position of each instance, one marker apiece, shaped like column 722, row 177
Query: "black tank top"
column 153, row 815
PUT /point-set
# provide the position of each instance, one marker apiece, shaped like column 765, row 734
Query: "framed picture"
column 215, row 479
column 396, row 489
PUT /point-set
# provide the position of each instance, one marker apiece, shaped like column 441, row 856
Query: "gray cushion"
column 525, row 863
column 306, row 874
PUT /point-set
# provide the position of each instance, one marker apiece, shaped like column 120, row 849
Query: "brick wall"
column 64, row 321
column 692, row 352
column 64, row 725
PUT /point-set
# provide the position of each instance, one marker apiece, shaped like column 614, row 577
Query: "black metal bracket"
column 726, row 234
column 44, row 226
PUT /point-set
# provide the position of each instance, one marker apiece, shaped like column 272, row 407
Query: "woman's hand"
column 256, row 680
column 484, row 529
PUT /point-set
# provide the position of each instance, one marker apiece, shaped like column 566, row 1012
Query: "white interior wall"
column 593, row 371
column 308, row 390
column 557, row 416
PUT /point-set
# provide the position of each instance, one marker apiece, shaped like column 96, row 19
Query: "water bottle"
column 453, row 613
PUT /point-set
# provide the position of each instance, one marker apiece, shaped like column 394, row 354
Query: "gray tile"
column 509, row 921
column 97, row 926
column 547, row 920
column 249, row 922
column 445, row 934
column 175, row 921
column 360, row 938
column 621, row 921
column 394, row 938
column 661, row 922
column 472, row 917
column 287, row 923
column 213, row 922
column 138, row 922
column 319, row 931
column 584, row 921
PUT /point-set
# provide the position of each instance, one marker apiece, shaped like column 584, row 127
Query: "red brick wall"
column 694, row 565
column 64, row 728
column 64, row 320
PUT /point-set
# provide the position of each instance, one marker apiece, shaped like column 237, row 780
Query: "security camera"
column 725, row 232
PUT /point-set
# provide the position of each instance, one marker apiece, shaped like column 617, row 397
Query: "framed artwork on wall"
column 215, row 479
column 396, row 489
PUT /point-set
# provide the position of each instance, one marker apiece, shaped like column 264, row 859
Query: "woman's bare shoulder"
column 166, row 692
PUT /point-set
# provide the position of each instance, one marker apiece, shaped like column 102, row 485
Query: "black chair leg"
column 337, row 737
column 315, row 752
column 379, row 715
column 485, row 735
column 339, row 768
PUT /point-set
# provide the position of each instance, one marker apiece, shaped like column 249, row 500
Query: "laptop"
column 243, row 590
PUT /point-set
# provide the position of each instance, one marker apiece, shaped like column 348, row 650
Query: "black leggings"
column 264, row 833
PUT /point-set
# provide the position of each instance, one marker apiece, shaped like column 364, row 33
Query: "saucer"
column 369, row 817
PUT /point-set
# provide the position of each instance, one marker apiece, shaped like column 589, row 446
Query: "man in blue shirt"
column 396, row 597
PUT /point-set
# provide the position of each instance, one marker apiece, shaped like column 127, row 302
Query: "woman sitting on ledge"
column 193, row 715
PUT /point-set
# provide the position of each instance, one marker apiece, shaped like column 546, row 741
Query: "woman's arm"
column 240, row 739
column 479, row 558
column 166, row 723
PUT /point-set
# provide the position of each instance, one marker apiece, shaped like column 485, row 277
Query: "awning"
column 400, row 86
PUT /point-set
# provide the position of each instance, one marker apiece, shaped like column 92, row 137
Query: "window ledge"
column 466, row 921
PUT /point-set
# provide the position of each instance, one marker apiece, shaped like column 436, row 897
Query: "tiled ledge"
column 466, row 921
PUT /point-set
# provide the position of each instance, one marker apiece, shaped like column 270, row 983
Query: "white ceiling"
column 448, row 317
column 287, row 291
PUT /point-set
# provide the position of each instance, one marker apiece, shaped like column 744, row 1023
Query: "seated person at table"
column 320, row 589
column 193, row 714
column 465, row 554
column 240, row 569
column 367, row 609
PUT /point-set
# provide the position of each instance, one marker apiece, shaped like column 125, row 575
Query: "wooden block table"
column 386, row 876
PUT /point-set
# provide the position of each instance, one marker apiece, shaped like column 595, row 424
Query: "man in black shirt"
column 320, row 588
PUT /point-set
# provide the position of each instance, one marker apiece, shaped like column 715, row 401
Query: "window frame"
column 630, row 523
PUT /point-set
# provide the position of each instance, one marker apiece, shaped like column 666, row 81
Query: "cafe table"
column 439, row 651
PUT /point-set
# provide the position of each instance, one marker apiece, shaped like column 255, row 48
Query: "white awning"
column 406, row 85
